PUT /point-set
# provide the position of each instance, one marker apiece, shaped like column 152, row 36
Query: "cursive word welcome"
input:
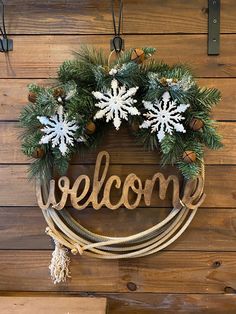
column 192, row 194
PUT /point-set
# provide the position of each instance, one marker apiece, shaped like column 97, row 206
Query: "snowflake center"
column 116, row 101
column 164, row 116
column 61, row 128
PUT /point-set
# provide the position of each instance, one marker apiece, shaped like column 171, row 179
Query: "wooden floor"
column 197, row 274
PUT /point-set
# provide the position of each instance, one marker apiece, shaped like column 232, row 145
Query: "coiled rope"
column 67, row 232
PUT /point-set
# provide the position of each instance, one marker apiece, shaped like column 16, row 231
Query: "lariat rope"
column 68, row 233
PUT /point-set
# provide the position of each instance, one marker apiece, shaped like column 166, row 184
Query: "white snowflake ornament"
column 164, row 116
column 58, row 130
column 116, row 103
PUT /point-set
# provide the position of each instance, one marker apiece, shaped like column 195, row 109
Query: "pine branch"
column 207, row 97
column 210, row 137
column 41, row 169
column 154, row 67
column 189, row 170
column 89, row 72
column 91, row 55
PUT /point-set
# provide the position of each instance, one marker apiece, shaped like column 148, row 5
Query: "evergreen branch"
column 210, row 137
column 90, row 55
column 41, row 169
column 89, row 72
column 189, row 170
column 207, row 97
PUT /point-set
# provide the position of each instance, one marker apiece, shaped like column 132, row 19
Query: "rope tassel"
column 59, row 267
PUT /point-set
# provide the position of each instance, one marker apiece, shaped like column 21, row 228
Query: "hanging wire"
column 117, row 41
column 3, row 31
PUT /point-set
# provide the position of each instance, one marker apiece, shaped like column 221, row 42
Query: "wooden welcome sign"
column 191, row 198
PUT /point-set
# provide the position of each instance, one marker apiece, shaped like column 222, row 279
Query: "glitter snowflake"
column 116, row 103
column 59, row 130
column 164, row 116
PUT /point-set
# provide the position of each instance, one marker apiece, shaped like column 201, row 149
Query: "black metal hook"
column 6, row 44
column 117, row 43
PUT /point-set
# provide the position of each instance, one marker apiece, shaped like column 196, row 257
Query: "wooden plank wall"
column 195, row 274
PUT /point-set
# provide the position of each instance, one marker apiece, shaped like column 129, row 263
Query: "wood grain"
column 196, row 274
column 145, row 303
column 22, row 192
column 52, row 305
column 125, row 149
column 226, row 109
column 13, row 96
column 58, row 17
column 40, row 56
column 161, row 273
column 94, row 17
column 149, row 303
column 174, row 16
column 26, row 230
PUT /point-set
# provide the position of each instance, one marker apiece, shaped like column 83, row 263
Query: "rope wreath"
column 80, row 240
column 164, row 108
column 66, row 231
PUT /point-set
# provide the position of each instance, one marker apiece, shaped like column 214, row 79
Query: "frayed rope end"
column 59, row 267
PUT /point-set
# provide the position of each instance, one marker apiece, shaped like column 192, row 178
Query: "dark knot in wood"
column 131, row 286
column 216, row 264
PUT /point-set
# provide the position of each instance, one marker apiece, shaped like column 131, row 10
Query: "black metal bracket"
column 213, row 27
column 117, row 44
column 6, row 45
